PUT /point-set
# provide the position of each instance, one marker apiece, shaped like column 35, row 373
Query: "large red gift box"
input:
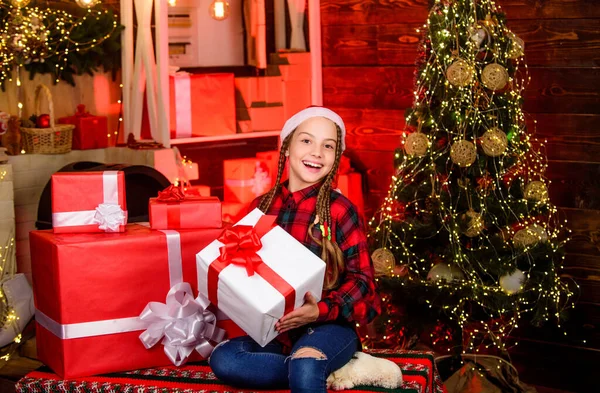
column 88, row 202
column 190, row 213
column 91, row 132
column 90, row 289
column 200, row 105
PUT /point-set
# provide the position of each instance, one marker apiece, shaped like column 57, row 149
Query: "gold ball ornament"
column 536, row 191
column 517, row 48
column 383, row 261
column 416, row 144
column 474, row 223
column 512, row 283
column 19, row 3
column 494, row 142
column 529, row 236
column 494, row 77
column 443, row 271
column 460, row 73
column 463, row 153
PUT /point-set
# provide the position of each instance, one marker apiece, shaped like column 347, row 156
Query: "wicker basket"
column 54, row 140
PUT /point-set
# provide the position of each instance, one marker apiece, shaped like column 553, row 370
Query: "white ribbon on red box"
column 109, row 215
column 182, row 322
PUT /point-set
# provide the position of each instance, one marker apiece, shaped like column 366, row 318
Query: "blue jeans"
column 243, row 363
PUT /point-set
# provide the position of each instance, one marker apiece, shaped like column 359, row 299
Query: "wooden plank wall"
column 369, row 49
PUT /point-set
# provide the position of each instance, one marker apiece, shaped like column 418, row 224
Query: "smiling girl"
column 319, row 337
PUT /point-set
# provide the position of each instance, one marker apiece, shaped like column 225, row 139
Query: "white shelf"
column 228, row 137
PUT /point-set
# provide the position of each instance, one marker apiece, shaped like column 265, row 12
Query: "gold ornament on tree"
column 529, row 236
column 19, row 3
column 416, row 144
column 494, row 142
column 443, row 271
column 460, row 73
column 536, row 190
column 463, row 153
column 473, row 223
column 383, row 261
column 494, row 77
column 517, row 47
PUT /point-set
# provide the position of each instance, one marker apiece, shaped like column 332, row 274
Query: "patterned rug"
column 418, row 370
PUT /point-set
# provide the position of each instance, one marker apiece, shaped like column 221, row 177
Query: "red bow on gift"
column 240, row 244
column 171, row 194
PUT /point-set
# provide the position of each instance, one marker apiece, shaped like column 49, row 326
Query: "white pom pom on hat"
column 314, row 111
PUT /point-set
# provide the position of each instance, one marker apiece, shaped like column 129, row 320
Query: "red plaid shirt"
column 355, row 299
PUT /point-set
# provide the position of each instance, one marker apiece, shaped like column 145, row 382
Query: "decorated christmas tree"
column 467, row 239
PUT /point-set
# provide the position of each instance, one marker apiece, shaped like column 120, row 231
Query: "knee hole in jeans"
column 308, row 352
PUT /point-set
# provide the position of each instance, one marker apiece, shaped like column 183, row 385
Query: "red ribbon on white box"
column 183, row 322
column 109, row 215
column 183, row 105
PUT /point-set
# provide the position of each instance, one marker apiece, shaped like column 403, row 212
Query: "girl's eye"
column 304, row 140
column 328, row 146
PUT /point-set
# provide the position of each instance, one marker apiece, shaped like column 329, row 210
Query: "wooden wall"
column 369, row 49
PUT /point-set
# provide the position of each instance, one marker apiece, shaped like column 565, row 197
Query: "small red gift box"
column 173, row 209
column 88, row 202
column 245, row 179
column 91, row 295
column 91, row 132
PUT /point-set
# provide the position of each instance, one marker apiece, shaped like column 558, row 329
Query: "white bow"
column 109, row 217
column 184, row 323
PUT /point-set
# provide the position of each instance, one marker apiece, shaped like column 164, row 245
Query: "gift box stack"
column 100, row 284
column 259, row 103
column 112, row 296
column 200, row 105
column 90, row 132
column 294, row 70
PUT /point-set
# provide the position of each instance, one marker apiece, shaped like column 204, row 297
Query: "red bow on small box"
column 171, row 194
column 240, row 246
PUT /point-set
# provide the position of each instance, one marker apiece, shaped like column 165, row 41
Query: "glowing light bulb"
column 219, row 10
column 87, row 3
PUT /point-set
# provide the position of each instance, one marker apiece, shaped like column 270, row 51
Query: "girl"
column 320, row 337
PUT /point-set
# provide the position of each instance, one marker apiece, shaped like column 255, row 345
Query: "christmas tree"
column 467, row 222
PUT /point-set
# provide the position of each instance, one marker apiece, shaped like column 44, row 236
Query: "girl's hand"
column 308, row 313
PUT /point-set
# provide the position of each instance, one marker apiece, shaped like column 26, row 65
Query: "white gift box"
column 251, row 301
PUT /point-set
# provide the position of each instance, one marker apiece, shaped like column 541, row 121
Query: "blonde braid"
column 267, row 199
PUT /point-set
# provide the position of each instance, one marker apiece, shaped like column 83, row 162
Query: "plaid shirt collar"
column 300, row 195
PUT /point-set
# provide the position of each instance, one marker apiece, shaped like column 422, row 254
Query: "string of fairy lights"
column 8, row 315
column 32, row 34
column 468, row 99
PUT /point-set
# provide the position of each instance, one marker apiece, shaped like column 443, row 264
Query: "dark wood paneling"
column 560, row 42
column 550, row 9
column 570, row 137
column 360, row 12
column 355, row 45
column 585, row 227
column 372, row 129
column 551, row 90
column 574, row 184
column 563, row 90
column 356, row 12
column 557, row 43
column 368, row 87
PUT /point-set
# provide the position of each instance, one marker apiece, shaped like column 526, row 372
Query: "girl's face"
column 311, row 152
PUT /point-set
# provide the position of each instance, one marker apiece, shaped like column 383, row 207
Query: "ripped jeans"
column 241, row 362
